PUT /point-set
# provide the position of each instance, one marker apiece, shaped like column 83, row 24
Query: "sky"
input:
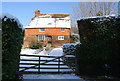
column 59, row 0
column 24, row 11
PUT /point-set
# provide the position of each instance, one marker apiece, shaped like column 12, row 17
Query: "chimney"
column 37, row 13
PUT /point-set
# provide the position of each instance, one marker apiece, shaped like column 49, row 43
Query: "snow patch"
column 51, row 76
column 56, row 52
column 46, row 21
column 11, row 17
column 27, row 51
column 69, row 56
column 74, row 44
column 112, row 15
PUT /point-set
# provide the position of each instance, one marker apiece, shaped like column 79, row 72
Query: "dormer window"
column 42, row 29
column 49, row 23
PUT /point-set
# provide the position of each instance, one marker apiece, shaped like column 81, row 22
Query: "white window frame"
column 41, row 29
column 61, row 37
column 40, row 37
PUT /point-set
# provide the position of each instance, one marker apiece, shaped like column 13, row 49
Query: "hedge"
column 99, row 53
column 69, row 49
column 12, row 39
column 36, row 46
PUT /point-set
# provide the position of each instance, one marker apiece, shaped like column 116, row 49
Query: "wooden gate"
column 42, row 65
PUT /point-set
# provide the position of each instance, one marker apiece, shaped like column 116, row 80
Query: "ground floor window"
column 60, row 37
column 40, row 37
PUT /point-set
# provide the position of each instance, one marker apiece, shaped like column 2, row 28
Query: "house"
column 55, row 26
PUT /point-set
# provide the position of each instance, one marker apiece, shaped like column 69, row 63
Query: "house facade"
column 55, row 26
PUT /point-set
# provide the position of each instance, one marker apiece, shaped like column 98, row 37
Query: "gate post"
column 58, row 65
column 39, row 65
column 76, row 65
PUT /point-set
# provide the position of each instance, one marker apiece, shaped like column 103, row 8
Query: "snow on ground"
column 43, row 53
column 53, row 52
column 27, row 51
column 56, row 52
column 51, row 76
column 74, row 44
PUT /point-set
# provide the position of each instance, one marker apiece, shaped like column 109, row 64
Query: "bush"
column 12, row 39
column 69, row 49
column 99, row 53
column 74, row 38
column 36, row 46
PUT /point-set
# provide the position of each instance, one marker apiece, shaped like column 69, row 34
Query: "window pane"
column 42, row 29
column 60, row 37
column 62, row 29
column 41, row 37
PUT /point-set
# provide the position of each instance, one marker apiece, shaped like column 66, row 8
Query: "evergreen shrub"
column 99, row 52
column 12, row 39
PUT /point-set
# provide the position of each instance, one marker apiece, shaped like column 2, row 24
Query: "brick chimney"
column 37, row 13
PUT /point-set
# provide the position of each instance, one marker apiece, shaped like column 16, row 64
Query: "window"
column 62, row 29
column 49, row 23
column 41, row 37
column 60, row 37
column 42, row 29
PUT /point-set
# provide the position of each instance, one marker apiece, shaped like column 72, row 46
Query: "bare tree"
column 88, row 9
column 74, row 28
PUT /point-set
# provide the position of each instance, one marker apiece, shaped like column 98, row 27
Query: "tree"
column 74, row 28
column 88, row 9
column 12, row 40
column 74, row 38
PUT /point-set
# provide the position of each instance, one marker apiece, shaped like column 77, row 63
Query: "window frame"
column 62, row 29
column 41, row 37
column 40, row 29
column 61, row 37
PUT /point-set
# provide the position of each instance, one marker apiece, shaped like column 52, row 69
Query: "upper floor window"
column 62, row 29
column 42, row 29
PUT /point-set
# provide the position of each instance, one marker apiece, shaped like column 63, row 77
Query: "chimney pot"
column 37, row 12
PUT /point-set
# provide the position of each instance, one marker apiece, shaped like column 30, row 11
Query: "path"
column 53, row 77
